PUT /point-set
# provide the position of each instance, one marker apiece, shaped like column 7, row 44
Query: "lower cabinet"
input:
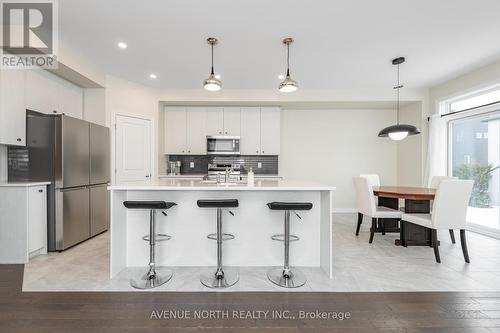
column 23, row 222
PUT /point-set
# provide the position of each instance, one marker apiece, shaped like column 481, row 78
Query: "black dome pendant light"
column 400, row 131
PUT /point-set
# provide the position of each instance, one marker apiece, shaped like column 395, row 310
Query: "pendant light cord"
column 212, row 72
column 288, row 60
column 398, row 87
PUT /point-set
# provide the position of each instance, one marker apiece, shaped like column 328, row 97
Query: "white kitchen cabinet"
column 270, row 130
column 23, row 226
column 37, row 218
column 250, row 131
column 196, row 130
column 42, row 92
column 232, row 121
column 175, row 130
column 47, row 93
column 70, row 99
column 12, row 107
column 215, row 121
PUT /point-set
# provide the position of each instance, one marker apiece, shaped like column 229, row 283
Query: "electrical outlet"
column 191, row 165
column 259, row 165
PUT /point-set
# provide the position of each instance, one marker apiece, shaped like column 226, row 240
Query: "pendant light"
column 212, row 83
column 288, row 85
column 399, row 131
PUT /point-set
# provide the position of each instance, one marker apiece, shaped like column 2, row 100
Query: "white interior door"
column 133, row 149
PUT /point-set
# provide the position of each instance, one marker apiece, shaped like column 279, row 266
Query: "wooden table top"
column 405, row 192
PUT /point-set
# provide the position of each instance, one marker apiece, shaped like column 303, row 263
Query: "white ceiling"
column 340, row 44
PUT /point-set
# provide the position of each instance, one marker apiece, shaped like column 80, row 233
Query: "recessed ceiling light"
column 152, row 76
column 122, row 45
column 217, row 76
column 281, row 76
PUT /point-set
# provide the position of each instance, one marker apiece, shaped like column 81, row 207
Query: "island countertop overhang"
column 198, row 185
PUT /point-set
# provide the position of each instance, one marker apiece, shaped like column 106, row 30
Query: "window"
column 478, row 100
column 474, row 153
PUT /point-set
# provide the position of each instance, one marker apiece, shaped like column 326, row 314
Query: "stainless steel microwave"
column 223, row 145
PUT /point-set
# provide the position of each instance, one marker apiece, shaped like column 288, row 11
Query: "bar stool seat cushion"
column 148, row 204
column 218, row 203
column 290, row 205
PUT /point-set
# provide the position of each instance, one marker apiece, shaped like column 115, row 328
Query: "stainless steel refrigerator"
column 74, row 156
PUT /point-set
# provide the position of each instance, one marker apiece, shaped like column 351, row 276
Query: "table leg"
column 388, row 225
column 416, row 235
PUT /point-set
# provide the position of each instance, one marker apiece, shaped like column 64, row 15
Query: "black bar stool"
column 286, row 276
column 222, row 278
column 156, row 276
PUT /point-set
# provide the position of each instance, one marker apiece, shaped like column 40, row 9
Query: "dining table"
column 416, row 200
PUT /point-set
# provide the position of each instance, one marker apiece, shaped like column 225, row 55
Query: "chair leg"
column 435, row 245
column 360, row 220
column 382, row 225
column 464, row 246
column 372, row 230
column 452, row 236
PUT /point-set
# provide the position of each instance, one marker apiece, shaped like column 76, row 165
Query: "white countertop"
column 172, row 184
column 199, row 175
column 22, row 184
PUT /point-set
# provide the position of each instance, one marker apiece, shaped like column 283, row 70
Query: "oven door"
column 223, row 145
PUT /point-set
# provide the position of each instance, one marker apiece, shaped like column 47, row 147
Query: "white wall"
column 3, row 163
column 332, row 146
column 410, row 161
column 94, row 105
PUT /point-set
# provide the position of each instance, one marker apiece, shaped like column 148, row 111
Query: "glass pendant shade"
column 212, row 83
column 288, row 85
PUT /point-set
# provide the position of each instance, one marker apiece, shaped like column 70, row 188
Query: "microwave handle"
column 234, row 143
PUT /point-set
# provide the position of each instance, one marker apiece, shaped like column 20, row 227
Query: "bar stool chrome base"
column 220, row 279
column 292, row 278
column 152, row 279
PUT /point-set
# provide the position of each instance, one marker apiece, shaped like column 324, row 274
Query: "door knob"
column 18, row 139
column 147, row 176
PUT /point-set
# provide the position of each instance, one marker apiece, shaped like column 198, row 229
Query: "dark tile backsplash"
column 269, row 163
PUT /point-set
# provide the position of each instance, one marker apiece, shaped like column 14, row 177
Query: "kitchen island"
column 253, row 224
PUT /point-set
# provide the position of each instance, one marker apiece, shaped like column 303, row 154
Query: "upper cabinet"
column 260, row 131
column 175, row 130
column 270, row 134
column 232, row 121
column 70, row 99
column 250, row 131
column 187, row 128
column 215, row 121
column 223, row 121
column 196, row 130
column 50, row 94
column 12, row 107
column 42, row 92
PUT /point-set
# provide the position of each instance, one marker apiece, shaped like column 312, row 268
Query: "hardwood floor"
column 131, row 312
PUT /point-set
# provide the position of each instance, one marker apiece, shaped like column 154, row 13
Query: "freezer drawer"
column 99, row 209
column 75, row 154
column 99, row 154
column 72, row 217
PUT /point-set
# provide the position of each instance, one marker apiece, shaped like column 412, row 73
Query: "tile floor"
column 358, row 266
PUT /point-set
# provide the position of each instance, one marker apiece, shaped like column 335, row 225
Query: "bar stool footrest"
column 158, row 237
column 281, row 238
column 225, row 236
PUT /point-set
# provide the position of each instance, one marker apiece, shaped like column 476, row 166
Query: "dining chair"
column 365, row 200
column 435, row 180
column 373, row 179
column 448, row 212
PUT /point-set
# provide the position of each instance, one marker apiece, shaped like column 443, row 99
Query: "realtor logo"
column 29, row 36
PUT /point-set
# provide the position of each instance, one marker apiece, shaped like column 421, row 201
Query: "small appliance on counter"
column 174, row 168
